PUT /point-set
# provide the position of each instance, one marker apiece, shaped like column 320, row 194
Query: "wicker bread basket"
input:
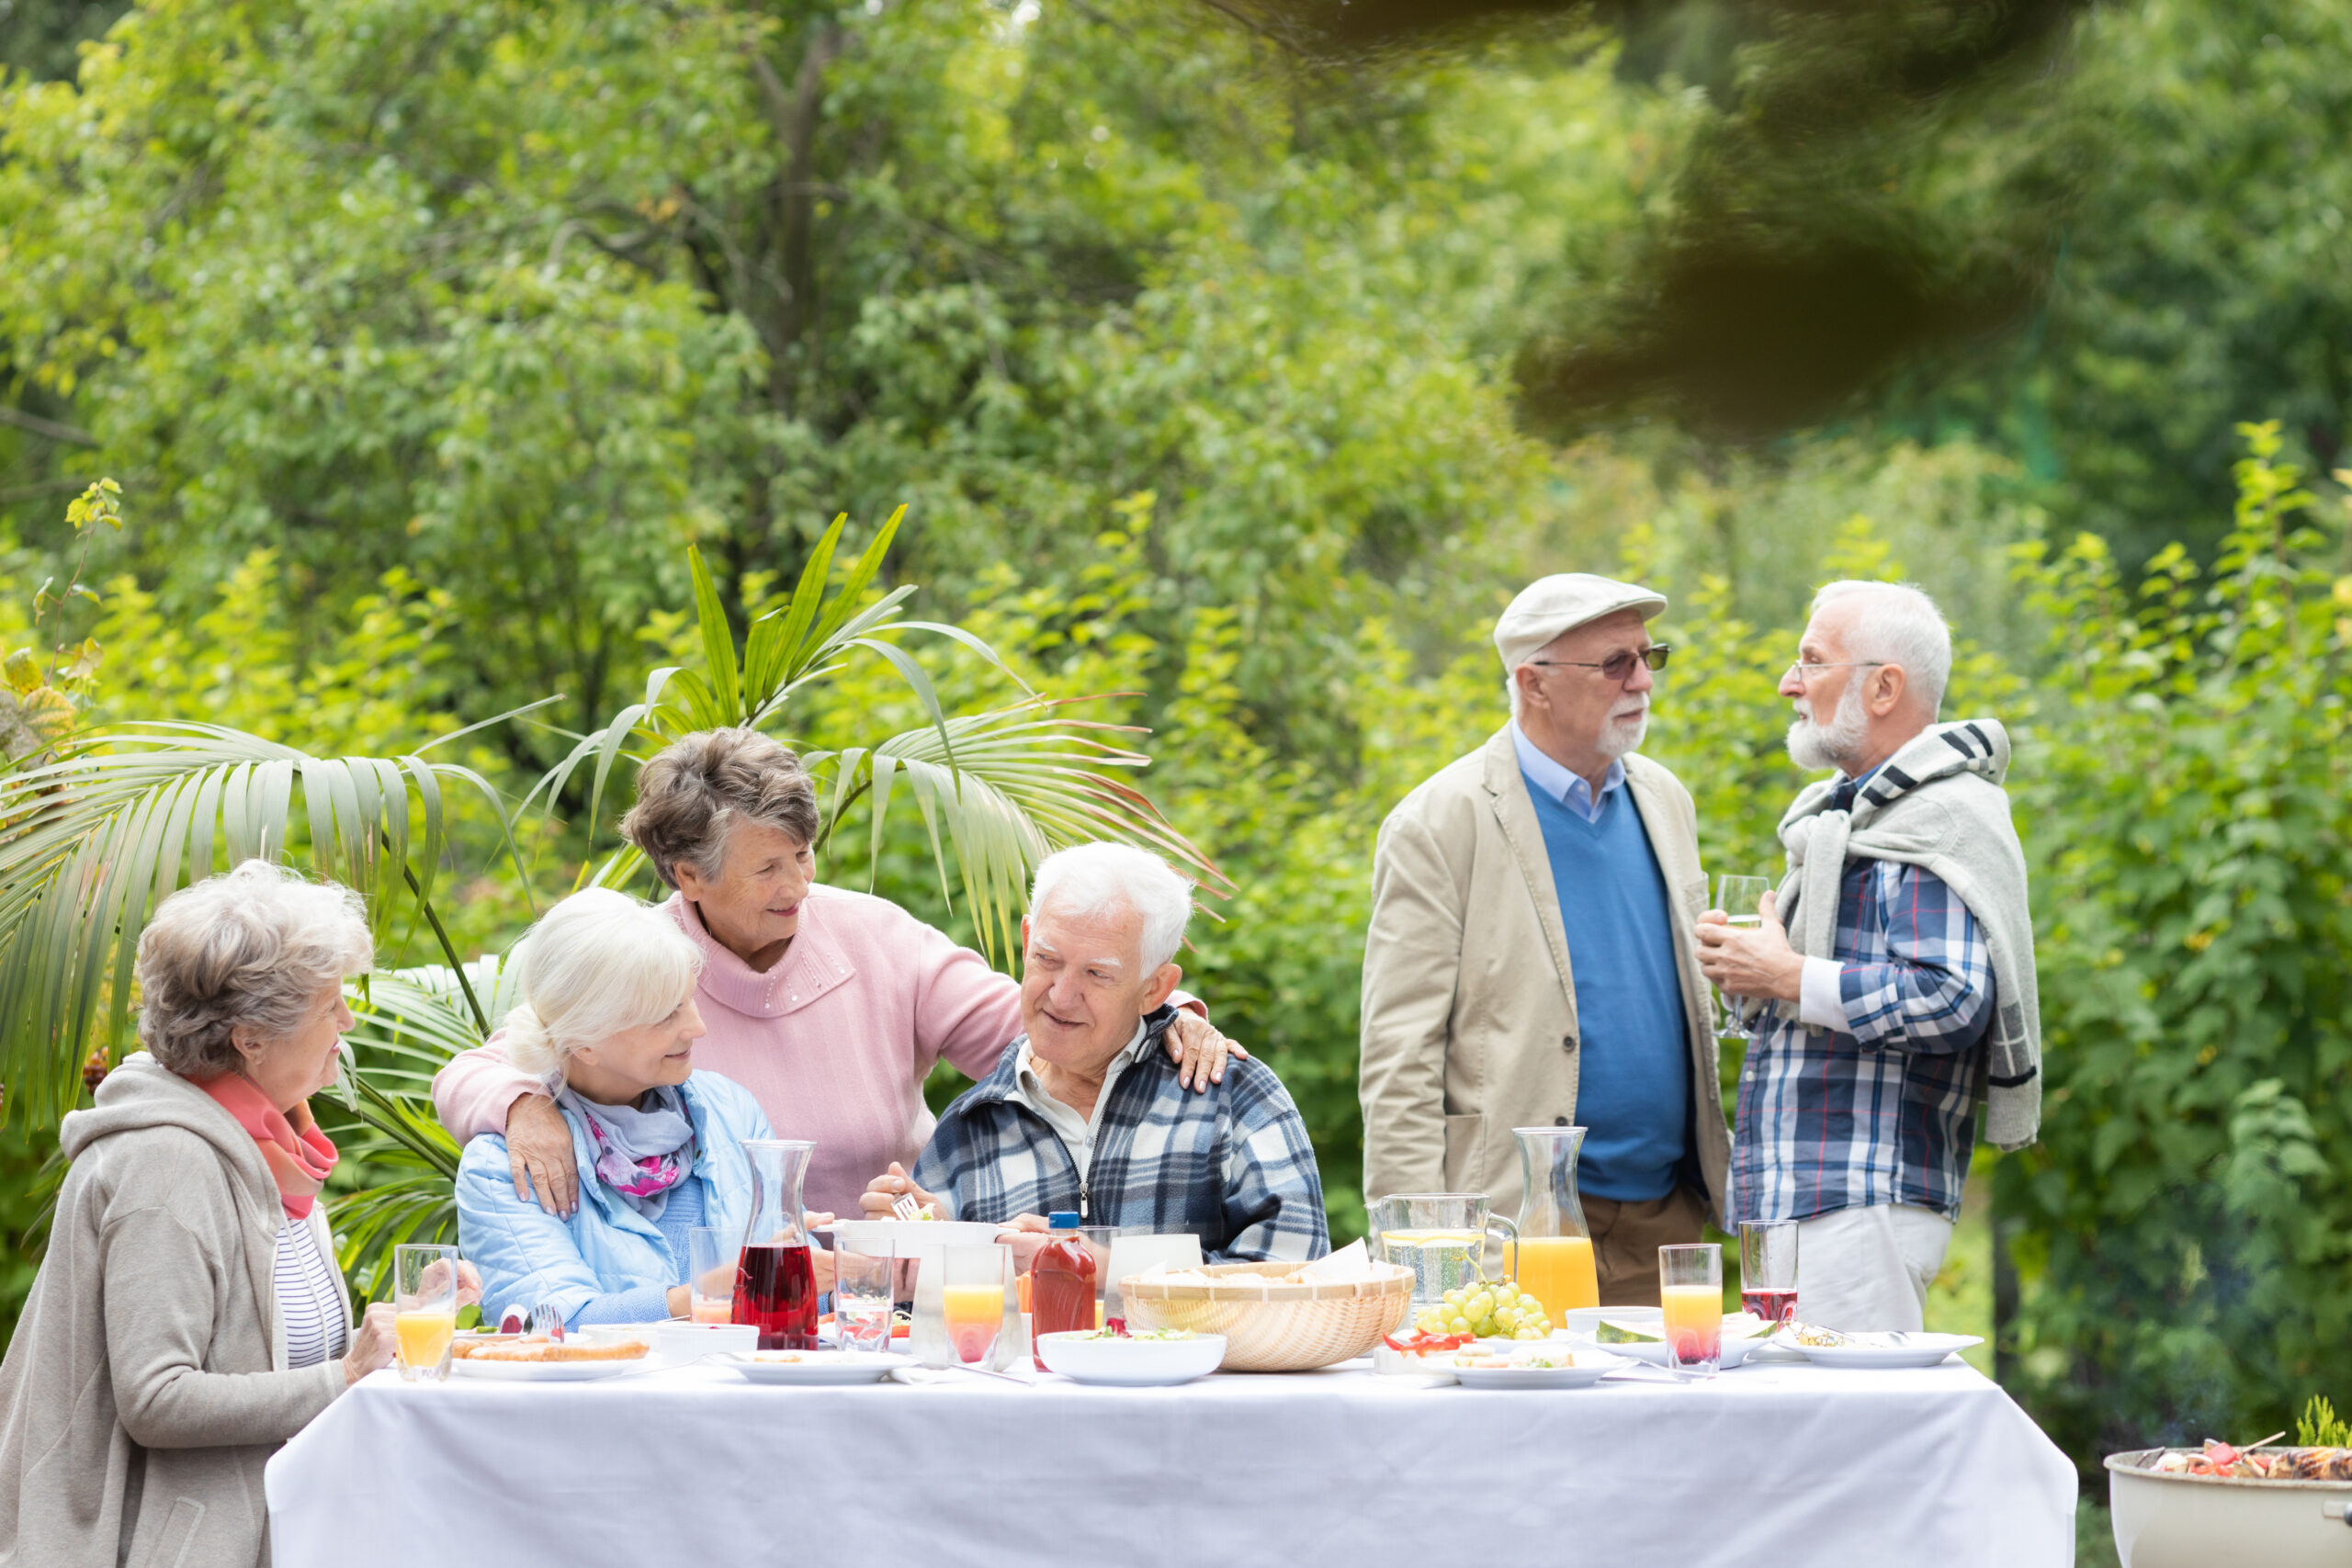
column 1274, row 1327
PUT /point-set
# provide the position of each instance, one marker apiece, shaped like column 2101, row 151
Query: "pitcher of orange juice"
column 1552, row 1260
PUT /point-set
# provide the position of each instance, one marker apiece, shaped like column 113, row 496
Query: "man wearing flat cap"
column 1532, row 962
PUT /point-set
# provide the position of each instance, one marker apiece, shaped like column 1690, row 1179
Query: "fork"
column 905, row 1207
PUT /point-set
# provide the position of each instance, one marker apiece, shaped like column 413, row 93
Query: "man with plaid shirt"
column 1085, row 1112
column 1909, row 993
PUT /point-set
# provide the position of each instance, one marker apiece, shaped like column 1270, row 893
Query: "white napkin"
column 1352, row 1265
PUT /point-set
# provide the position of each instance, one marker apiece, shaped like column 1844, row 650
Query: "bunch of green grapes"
column 1491, row 1309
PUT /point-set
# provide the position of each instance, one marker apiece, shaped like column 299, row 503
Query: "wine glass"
column 1737, row 898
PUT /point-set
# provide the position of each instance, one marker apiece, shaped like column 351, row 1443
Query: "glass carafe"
column 776, row 1280
column 1553, row 1261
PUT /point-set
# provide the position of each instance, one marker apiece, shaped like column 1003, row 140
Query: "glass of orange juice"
column 1691, row 1289
column 972, row 1289
column 425, row 1304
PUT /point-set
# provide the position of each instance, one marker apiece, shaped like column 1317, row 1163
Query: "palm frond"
column 126, row 814
column 997, row 791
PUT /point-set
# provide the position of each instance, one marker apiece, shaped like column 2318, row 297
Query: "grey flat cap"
column 1551, row 605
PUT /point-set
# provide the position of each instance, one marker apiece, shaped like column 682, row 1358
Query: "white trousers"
column 1864, row 1269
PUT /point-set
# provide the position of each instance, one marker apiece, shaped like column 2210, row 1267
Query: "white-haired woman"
column 607, row 1024
column 189, row 1317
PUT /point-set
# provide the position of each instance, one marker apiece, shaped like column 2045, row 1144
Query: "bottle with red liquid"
column 1064, row 1283
column 776, row 1282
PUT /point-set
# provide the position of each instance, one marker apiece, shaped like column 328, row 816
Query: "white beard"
column 1836, row 743
column 1620, row 736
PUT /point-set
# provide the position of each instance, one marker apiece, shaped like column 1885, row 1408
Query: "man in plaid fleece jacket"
column 1085, row 1112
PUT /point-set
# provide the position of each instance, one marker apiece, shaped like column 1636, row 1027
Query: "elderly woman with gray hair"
column 608, row 1027
column 831, row 1006
column 189, row 1317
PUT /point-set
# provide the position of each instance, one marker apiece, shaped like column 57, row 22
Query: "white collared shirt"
column 1076, row 1131
column 1570, row 789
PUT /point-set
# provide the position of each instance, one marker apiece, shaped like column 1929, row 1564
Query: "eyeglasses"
column 1617, row 667
column 1805, row 671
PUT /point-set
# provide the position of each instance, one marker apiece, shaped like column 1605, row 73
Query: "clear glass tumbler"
column 1691, row 1289
column 863, row 1300
column 972, row 1288
column 424, row 1303
column 1768, row 1271
column 710, row 1281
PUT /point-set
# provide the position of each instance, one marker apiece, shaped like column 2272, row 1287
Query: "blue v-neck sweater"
column 1633, row 1082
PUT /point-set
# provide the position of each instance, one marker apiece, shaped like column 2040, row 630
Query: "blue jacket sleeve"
column 525, row 1255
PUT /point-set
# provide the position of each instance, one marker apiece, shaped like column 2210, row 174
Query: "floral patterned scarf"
column 643, row 1149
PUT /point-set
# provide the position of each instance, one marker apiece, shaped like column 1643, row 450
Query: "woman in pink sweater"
column 830, row 1006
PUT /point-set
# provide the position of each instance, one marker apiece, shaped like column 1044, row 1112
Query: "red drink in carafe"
column 1062, row 1286
column 1772, row 1306
column 775, row 1290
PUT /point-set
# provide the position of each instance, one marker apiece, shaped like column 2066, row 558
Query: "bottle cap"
column 1062, row 1220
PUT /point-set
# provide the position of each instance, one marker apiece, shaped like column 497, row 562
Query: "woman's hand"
column 373, row 1343
column 679, row 1301
column 884, row 1190
column 822, row 1264
column 539, row 1155
column 1199, row 1052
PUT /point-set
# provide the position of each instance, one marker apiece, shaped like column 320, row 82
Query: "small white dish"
column 813, row 1369
column 1130, row 1363
column 1876, row 1354
column 606, row 1333
column 1589, row 1370
column 547, row 1371
column 678, row 1343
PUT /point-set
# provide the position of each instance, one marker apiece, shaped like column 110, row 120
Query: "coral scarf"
column 299, row 1155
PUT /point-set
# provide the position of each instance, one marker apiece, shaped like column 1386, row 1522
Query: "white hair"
column 1103, row 878
column 598, row 964
column 1897, row 625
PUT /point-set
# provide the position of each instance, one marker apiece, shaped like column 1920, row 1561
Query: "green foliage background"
column 425, row 334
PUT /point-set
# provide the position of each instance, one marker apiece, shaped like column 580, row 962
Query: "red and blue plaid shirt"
column 1884, row 1110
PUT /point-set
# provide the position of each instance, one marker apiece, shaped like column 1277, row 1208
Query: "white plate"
column 814, row 1368
column 547, row 1371
column 1130, row 1363
column 1577, row 1376
column 1917, row 1351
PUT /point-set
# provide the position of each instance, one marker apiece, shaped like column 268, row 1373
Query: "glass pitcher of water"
column 1440, row 1236
column 1553, row 1261
column 776, row 1280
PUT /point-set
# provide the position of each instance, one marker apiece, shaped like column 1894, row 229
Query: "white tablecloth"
column 1773, row 1465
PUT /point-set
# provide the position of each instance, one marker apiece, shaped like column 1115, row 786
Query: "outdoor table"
column 1777, row 1464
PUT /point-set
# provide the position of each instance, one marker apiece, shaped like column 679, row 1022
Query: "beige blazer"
column 1469, row 1003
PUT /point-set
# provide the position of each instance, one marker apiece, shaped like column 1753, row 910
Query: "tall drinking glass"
column 1737, row 898
column 712, row 1256
column 424, row 1302
column 863, row 1300
column 972, row 1292
column 1768, row 1271
column 1691, row 1289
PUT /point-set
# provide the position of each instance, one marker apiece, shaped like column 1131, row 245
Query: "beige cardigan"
column 1469, row 1004
column 146, row 1386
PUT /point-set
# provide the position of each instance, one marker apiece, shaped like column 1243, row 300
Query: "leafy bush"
column 2183, row 1242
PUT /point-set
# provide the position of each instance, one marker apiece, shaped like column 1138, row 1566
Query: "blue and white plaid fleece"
column 1883, row 1112
column 1232, row 1166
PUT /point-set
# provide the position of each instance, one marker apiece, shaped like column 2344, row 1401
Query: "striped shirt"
column 1882, row 1110
column 308, row 1298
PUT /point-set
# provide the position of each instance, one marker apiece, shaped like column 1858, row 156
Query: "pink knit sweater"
column 834, row 1042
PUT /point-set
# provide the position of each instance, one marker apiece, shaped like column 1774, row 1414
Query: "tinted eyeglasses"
column 1617, row 667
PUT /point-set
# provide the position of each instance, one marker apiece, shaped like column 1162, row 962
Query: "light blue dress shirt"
column 1570, row 789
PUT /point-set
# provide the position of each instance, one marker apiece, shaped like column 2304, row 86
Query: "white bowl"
column 678, row 1343
column 911, row 1238
column 1130, row 1363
